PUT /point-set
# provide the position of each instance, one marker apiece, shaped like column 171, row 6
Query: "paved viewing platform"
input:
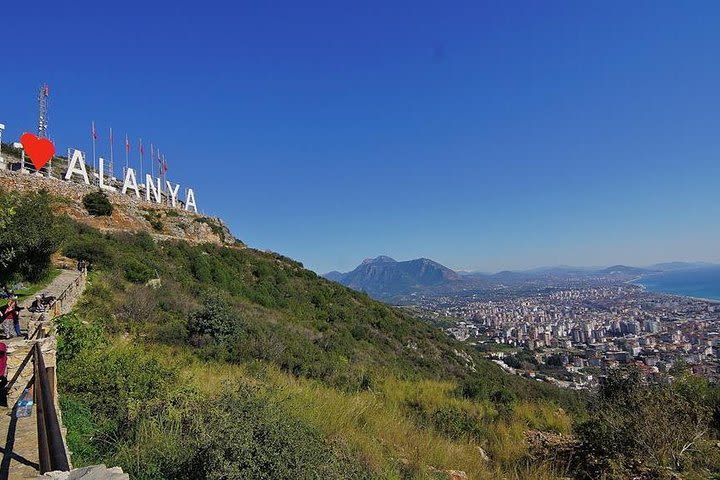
column 19, row 436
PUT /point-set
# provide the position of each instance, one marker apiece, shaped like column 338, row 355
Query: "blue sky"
column 483, row 135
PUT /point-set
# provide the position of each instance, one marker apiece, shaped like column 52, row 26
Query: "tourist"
column 11, row 318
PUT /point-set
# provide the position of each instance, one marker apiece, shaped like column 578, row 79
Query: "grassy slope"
column 367, row 376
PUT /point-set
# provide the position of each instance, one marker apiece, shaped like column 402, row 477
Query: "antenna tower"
column 43, row 95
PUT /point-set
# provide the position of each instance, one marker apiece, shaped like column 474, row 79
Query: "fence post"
column 49, row 435
column 43, row 444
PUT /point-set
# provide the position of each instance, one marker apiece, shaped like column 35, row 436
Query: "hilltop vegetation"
column 239, row 304
column 220, row 362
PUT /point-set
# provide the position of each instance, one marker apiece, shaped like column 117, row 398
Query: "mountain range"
column 384, row 278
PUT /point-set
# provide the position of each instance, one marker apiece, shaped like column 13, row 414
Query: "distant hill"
column 680, row 265
column 383, row 277
column 624, row 269
column 386, row 279
column 335, row 276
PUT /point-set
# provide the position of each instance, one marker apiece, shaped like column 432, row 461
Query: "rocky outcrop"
column 129, row 213
column 95, row 472
column 552, row 446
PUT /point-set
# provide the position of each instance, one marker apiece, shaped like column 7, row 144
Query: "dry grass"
column 377, row 426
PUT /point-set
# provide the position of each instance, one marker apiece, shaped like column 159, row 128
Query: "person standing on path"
column 11, row 318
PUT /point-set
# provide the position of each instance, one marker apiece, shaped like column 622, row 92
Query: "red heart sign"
column 40, row 150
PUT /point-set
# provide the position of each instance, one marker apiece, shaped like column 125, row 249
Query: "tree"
column 97, row 204
column 28, row 236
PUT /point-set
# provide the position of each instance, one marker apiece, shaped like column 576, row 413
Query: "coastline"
column 644, row 288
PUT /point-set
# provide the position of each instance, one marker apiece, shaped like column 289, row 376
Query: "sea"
column 696, row 282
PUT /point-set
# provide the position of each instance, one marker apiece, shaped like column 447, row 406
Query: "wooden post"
column 51, row 380
column 43, row 444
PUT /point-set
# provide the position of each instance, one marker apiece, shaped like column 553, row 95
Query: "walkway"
column 18, row 436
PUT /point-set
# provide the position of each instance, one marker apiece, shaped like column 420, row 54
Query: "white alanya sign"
column 153, row 186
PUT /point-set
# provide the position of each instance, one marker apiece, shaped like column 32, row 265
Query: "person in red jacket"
column 11, row 318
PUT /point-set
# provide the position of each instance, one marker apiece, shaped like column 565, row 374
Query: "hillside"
column 383, row 277
column 172, row 336
column 208, row 361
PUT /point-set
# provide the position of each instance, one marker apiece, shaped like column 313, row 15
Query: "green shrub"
column 75, row 336
column 154, row 218
column 97, row 204
column 136, row 271
column 123, row 405
column 656, row 429
column 89, row 250
column 28, row 236
column 248, row 435
column 216, row 319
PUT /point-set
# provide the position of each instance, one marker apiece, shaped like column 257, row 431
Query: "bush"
column 639, row 428
column 97, row 204
column 89, row 250
column 249, row 435
column 122, row 405
column 137, row 271
column 28, row 236
column 154, row 219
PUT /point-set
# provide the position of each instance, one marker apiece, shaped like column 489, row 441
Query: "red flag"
column 127, row 144
column 164, row 165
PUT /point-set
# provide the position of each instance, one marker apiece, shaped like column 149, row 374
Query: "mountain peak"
column 384, row 277
column 379, row 259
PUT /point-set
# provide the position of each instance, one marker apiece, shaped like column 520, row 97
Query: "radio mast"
column 43, row 95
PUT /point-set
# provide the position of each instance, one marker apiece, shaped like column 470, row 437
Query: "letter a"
column 190, row 200
column 130, row 175
column 72, row 168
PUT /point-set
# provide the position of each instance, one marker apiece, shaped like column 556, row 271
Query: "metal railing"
column 51, row 445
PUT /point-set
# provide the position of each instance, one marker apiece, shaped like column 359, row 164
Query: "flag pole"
column 141, row 159
column 152, row 161
column 112, row 172
column 127, row 154
column 94, row 156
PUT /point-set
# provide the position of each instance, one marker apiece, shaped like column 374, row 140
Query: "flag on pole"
column 142, row 150
column 110, row 137
column 127, row 143
column 164, row 165
column 94, row 132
